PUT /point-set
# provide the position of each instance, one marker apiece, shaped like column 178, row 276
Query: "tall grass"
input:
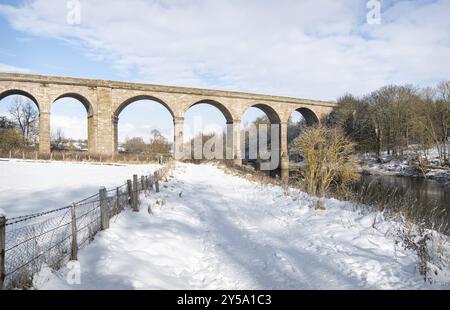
column 415, row 225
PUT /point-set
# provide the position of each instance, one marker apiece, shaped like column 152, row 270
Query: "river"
column 427, row 192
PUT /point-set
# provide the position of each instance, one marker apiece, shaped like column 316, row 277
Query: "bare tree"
column 58, row 140
column 158, row 143
column 435, row 118
column 135, row 145
column 443, row 92
column 25, row 115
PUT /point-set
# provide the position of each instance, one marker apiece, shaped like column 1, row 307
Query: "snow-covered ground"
column 33, row 186
column 402, row 166
column 211, row 230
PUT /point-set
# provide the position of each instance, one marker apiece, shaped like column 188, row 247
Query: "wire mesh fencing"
column 53, row 237
column 84, row 156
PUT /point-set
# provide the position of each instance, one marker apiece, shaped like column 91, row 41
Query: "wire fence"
column 53, row 237
column 80, row 156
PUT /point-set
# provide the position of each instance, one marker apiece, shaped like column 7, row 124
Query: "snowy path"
column 228, row 233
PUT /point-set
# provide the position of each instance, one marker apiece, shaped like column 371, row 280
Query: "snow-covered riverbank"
column 402, row 168
column 211, row 230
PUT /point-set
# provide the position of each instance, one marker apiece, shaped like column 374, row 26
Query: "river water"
column 427, row 192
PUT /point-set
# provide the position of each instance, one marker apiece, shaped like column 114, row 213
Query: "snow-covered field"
column 211, row 230
column 30, row 186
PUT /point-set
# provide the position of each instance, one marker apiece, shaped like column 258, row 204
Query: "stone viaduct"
column 104, row 100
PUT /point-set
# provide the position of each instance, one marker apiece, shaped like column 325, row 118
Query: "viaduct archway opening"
column 144, row 126
column 71, row 124
column 261, row 133
column 298, row 121
column 208, row 131
column 19, row 121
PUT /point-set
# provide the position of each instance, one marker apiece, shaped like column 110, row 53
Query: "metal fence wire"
column 47, row 238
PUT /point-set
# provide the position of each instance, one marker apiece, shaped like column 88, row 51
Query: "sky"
column 315, row 49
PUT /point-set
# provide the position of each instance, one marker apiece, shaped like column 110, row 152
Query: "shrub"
column 328, row 159
column 10, row 138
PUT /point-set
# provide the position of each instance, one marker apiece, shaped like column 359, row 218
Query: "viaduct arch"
column 104, row 100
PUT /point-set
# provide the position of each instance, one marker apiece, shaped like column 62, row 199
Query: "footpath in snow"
column 33, row 186
column 210, row 230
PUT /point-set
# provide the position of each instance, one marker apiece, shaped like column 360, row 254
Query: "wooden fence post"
column 156, row 181
column 74, row 248
column 142, row 183
column 10, row 154
column 130, row 192
column 104, row 216
column 150, row 183
column 2, row 250
column 117, row 200
column 135, row 203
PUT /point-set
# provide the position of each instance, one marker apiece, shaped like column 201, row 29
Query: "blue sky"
column 318, row 49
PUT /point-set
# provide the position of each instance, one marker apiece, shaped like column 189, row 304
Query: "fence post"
column 150, row 183
column 135, row 204
column 10, row 154
column 117, row 200
column 142, row 182
column 156, row 181
column 130, row 192
column 74, row 249
column 2, row 250
column 104, row 209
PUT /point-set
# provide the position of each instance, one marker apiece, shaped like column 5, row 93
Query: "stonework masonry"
column 104, row 100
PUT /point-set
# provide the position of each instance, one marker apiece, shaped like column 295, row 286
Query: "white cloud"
column 9, row 68
column 131, row 130
column 72, row 127
column 313, row 48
